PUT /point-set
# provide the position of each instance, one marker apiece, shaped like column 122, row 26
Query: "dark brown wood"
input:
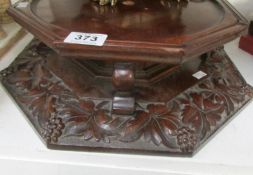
column 145, row 73
column 72, row 111
column 123, row 103
column 122, row 97
column 123, row 79
column 123, row 76
column 146, row 31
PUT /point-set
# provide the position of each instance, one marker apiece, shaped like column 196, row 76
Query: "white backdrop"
column 244, row 6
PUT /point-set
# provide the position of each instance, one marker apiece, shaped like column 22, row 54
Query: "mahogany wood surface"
column 177, row 115
column 145, row 31
column 122, row 97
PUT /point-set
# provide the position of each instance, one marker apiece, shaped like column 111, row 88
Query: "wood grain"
column 146, row 31
column 78, row 115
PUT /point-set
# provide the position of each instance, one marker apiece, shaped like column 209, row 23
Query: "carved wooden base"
column 71, row 109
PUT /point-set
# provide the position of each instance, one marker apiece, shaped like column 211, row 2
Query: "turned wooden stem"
column 123, row 81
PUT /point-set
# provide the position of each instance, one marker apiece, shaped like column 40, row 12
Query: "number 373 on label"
column 93, row 39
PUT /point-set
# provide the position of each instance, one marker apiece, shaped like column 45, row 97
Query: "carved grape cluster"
column 186, row 139
column 181, row 124
column 53, row 128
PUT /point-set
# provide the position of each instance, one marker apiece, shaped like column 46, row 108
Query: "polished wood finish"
column 72, row 111
column 146, row 31
column 123, row 79
column 136, row 93
column 123, row 76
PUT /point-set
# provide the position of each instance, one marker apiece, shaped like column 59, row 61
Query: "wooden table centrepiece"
column 161, row 82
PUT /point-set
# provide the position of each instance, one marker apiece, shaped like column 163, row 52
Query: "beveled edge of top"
column 133, row 51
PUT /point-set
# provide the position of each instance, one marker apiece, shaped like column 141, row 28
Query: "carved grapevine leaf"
column 134, row 127
column 191, row 115
column 28, row 81
column 158, row 125
column 37, row 75
column 204, row 111
column 109, row 124
column 83, row 118
column 180, row 125
column 77, row 115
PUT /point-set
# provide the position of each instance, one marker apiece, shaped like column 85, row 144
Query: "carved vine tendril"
column 179, row 124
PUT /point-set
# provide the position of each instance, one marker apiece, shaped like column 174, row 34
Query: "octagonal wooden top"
column 139, row 30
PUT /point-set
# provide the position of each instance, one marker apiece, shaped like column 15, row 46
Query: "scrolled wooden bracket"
column 123, row 81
